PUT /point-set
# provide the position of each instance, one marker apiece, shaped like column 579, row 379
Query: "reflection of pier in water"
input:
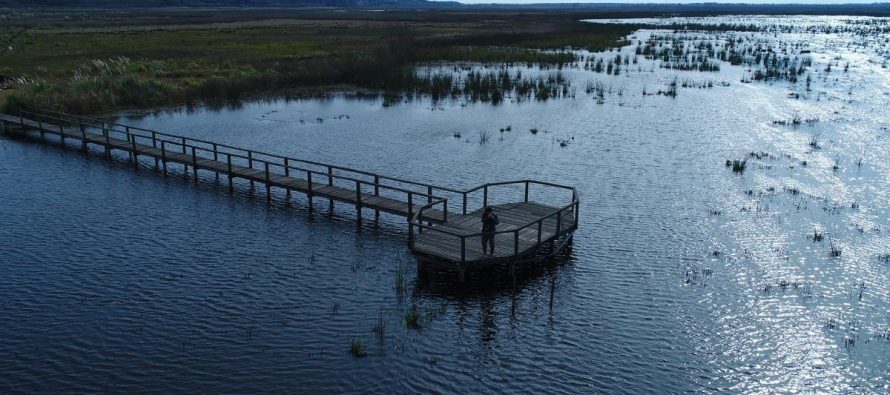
column 528, row 230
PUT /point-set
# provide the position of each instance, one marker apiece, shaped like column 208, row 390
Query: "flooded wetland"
column 734, row 231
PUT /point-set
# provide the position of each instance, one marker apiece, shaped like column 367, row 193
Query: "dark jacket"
column 489, row 222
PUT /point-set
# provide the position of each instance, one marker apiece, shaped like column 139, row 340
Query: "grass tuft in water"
column 357, row 348
column 379, row 326
column 833, row 250
column 817, row 236
column 738, row 166
column 412, row 318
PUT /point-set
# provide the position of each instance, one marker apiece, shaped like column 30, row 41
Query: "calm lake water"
column 684, row 276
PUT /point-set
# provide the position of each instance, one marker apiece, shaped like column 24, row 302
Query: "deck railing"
column 268, row 165
column 418, row 219
column 364, row 181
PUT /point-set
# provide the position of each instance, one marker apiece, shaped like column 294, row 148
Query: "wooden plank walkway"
column 513, row 227
column 441, row 234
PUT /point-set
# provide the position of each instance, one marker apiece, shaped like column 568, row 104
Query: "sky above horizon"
column 671, row 1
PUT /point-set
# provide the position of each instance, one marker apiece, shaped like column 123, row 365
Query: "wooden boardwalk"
column 441, row 234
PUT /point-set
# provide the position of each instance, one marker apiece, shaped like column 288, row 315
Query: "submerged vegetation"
column 107, row 62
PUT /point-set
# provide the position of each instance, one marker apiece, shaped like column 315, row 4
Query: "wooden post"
column 485, row 196
column 558, row 222
column 516, row 243
column 164, row 155
column 540, row 229
column 526, row 191
column 154, row 144
column 465, row 203
column 230, row 174
column 195, row 164
column 268, row 185
column 358, row 199
column 429, row 194
column 287, row 174
column 309, row 190
column 133, row 146
column 410, row 233
column 107, row 140
column 410, row 205
column 330, row 183
column 62, row 133
column 445, row 211
column 83, row 135
column 376, row 193
column 250, row 165
column 40, row 128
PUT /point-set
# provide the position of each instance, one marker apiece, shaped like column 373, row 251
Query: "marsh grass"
column 357, row 348
column 412, row 318
column 191, row 65
column 817, row 236
column 834, row 251
column 379, row 326
column 737, row 166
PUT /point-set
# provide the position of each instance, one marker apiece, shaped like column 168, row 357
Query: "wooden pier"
column 435, row 232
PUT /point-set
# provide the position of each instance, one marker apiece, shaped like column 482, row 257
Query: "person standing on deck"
column 489, row 225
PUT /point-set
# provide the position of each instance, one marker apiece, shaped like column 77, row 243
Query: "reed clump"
column 357, row 348
column 737, row 166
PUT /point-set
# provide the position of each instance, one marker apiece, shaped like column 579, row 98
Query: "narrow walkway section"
column 440, row 234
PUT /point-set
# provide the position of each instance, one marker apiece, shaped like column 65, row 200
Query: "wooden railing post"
column 330, row 183
column 183, row 146
column 429, row 194
column 410, row 233
column 485, row 196
column 445, row 211
column 164, row 155
column 107, row 140
column 287, row 174
column 540, row 229
column 39, row 127
column 230, row 174
column 558, row 222
column 83, row 135
column 309, row 180
column 268, row 185
column 135, row 153
column 516, row 243
column 195, row 164
column 358, row 199
column 465, row 203
column 215, row 152
column 62, row 132
column 410, row 205
column 376, row 193
column 526, row 191
column 309, row 188
column 250, row 164
column 154, row 139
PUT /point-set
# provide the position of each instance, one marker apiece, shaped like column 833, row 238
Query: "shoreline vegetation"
column 105, row 61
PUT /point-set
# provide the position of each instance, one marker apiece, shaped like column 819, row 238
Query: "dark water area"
column 683, row 277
